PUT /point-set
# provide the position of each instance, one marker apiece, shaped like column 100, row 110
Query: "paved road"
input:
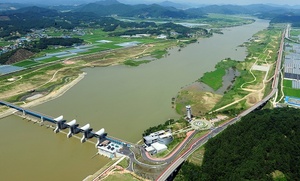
column 194, row 146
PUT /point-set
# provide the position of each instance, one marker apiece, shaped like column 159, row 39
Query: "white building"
column 161, row 136
column 156, row 148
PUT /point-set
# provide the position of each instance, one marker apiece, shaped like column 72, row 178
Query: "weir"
column 62, row 124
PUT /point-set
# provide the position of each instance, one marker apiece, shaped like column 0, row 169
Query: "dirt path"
column 252, row 92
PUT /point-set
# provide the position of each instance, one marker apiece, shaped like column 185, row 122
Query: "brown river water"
column 123, row 100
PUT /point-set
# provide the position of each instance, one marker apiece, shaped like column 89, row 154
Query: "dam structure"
column 74, row 128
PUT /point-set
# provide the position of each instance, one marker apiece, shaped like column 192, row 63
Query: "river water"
column 123, row 100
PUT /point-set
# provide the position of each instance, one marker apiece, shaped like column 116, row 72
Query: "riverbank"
column 52, row 95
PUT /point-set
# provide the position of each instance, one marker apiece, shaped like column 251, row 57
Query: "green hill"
column 264, row 145
column 140, row 10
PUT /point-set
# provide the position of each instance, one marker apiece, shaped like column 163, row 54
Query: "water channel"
column 123, row 100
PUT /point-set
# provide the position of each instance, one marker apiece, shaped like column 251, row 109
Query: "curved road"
column 196, row 144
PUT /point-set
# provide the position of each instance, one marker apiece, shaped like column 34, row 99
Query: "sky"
column 239, row 2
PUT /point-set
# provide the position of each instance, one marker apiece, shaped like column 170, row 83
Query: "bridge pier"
column 86, row 135
column 42, row 121
column 60, row 125
column 73, row 128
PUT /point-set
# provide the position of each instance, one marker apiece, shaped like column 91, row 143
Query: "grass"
column 26, row 63
column 287, row 83
column 197, row 157
column 214, row 79
column 52, row 59
column 124, row 163
column 291, row 92
column 4, row 43
column 158, row 53
column 294, row 32
column 171, row 146
column 120, row 176
column 288, row 89
column 135, row 63
column 268, row 41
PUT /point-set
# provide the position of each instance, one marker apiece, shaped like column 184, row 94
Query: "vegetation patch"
column 177, row 140
column 259, row 147
column 26, row 63
column 169, row 124
column 288, row 89
column 135, row 63
column 214, row 79
column 158, row 53
column 124, row 163
column 121, row 176
column 201, row 102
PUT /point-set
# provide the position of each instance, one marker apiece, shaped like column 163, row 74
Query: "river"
column 123, row 100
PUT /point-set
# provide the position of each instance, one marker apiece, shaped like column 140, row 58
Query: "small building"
column 105, row 143
column 150, row 149
column 162, row 136
column 109, row 149
column 162, row 36
column 158, row 147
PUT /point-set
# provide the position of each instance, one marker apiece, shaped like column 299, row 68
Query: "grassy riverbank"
column 47, row 78
column 247, row 89
column 214, row 78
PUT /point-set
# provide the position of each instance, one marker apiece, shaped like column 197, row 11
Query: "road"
column 198, row 143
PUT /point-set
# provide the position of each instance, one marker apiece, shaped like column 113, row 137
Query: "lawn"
column 287, row 83
column 119, row 176
column 288, row 90
column 214, row 79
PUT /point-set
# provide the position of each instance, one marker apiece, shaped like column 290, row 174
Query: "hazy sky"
column 240, row 2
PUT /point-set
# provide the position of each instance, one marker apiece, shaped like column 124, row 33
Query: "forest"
column 165, row 28
column 294, row 19
column 264, row 145
column 45, row 42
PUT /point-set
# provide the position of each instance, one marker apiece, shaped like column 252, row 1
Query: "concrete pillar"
column 98, row 142
column 42, row 121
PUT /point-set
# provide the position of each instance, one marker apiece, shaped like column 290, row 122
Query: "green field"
column 26, row 63
column 288, row 90
column 119, row 176
column 4, row 43
column 295, row 32
column 214, row 79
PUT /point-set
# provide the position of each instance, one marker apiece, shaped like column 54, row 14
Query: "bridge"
column 61, row 124
column 199, row 142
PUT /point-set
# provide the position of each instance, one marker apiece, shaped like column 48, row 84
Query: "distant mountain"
column 107, row 2
column 11, row 6
column 174, row 5
column 105, row 10
column 32, row 11
column 113, row 7
column 64, row 8
column 260, row 10
column 218, row 9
